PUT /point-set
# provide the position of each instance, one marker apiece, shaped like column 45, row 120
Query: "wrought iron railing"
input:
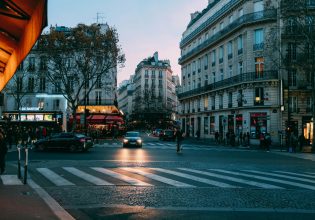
column 242, row 78
column 244, row 20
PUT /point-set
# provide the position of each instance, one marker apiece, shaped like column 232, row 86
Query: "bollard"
column 19, row 162
column 25, row 166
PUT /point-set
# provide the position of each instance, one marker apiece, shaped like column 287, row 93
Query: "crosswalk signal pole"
column 19, row 162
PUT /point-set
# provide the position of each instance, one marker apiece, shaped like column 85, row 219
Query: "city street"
column 202, row 182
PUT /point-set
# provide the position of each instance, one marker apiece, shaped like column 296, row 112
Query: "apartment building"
column 154, row 94
column 229, row 82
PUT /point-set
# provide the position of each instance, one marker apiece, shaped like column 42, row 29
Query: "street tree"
column 79, row 59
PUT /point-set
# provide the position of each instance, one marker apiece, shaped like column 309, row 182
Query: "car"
column 132, row 138
column 167, row 135
column 69, row 141
column 157, row 132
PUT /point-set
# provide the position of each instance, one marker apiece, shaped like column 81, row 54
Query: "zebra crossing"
column 173, row 177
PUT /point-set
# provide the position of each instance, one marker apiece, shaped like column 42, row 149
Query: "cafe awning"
column 21, row 23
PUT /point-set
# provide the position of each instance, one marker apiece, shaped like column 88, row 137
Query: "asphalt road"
column 202, row 182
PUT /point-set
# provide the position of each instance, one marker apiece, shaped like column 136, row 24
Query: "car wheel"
column 72, row 148
column 41, row 147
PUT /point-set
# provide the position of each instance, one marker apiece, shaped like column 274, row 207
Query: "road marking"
column 122, row 177
column 157, row 177
column 54, row 178
column 282, row 176
column 248, row 182
column 89, row 178
column 195, row 178
column 310, row 173
column 296, row 174
column 267, row 179
column 53, row 204
column 11, row 180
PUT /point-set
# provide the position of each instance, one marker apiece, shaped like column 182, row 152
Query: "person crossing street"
column 179, row 138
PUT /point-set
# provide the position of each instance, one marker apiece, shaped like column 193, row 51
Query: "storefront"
column 258, row 124
column 307, row 126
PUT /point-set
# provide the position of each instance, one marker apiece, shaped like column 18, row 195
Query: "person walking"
column 3, row 151
column 179, row 138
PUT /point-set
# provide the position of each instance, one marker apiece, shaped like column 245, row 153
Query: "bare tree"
column 79, row 58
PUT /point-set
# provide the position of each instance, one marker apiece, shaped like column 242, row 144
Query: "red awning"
column 21, row 23
column 96, row 119
column 113, row 118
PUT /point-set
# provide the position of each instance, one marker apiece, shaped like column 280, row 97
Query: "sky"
column 144, row 26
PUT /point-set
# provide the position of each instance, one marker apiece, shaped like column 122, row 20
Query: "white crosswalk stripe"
column 54, row 178
column 122, row 177
column 10, row 180
column 267, row 179
column 296, row 174
column 87, row 177
column 238, row 180
column 195, row 178
column 158, row 178
column 282, row 176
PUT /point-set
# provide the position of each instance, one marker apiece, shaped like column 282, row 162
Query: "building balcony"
column 97, row 102
column 248, row 19
column 232, row 81
column 258, row 46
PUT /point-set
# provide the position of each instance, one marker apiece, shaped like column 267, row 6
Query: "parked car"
column 167, row 135
column 132, row 138
column 157, row 132
column 69, row 141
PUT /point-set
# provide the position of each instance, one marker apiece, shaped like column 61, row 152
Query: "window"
column 194, row 67
column 221, row 74
column 213, row 57
column 199, row 65
column 42, row 84
column 214, row 31
column 212, row 125
column 240, row 67
column 258, row 6
column 293, row 104
column 206, row 61
column 221, row 26
column 97, row 86
column 206, row 103
column 160, row 74
column 146, row 73
column 240, row 12
column 240, row 44
column 291, row 25
column 213, row 76
column 230, row 50
column 309, row 104
column 206, row 125
column 258, row 39
column 309, row 21
column 220, row 101
column 292, row 77
column 230, row 99
column 57, row 86
column 221, row 54
column 56, row 104
column 258, row 124
column 30, row 86
column 213, row 102
column 259, row 67
column 230, row 71
column 41, row 104
column 43, row 63
column 231, row 19
column 310, row 3
column 98, row 97
column 153, row 74
column 31, row 66
column 259, row 96
column 291, row 55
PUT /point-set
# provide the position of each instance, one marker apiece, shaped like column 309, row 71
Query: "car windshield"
column 132, row 134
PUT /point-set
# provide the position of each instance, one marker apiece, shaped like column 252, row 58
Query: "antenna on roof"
column 99, row 18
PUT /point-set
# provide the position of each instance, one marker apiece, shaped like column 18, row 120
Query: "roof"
column 22, row 22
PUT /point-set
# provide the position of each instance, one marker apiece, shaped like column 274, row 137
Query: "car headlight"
column 125, row 140
column 139, row 141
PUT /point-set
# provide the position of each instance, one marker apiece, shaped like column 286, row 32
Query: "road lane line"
column 132, row 181
column 296, row 174
column 87, row 177
column 282, row 176
column 54, row 178
column 10, row 180
column 238, row 180
column 157, row 177
column 195, row 178
column 267, row 179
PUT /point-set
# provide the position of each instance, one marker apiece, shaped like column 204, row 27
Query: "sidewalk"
column 18, row 201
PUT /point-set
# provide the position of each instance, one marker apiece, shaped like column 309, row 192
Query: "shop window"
column 212, row 125
column 258, row 124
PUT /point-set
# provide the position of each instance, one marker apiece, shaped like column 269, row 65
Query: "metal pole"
column 19, row 162
column 25, row 166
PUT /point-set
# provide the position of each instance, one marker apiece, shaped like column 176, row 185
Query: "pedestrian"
column 293, row 143
column 240, row 138
column 44, row 131
column 3, row 151
column 179, row 137
column 248, row 138
column 216, row 135
column 267, row 141
column 262, row 140
column 232, row 139
column 301, row 142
